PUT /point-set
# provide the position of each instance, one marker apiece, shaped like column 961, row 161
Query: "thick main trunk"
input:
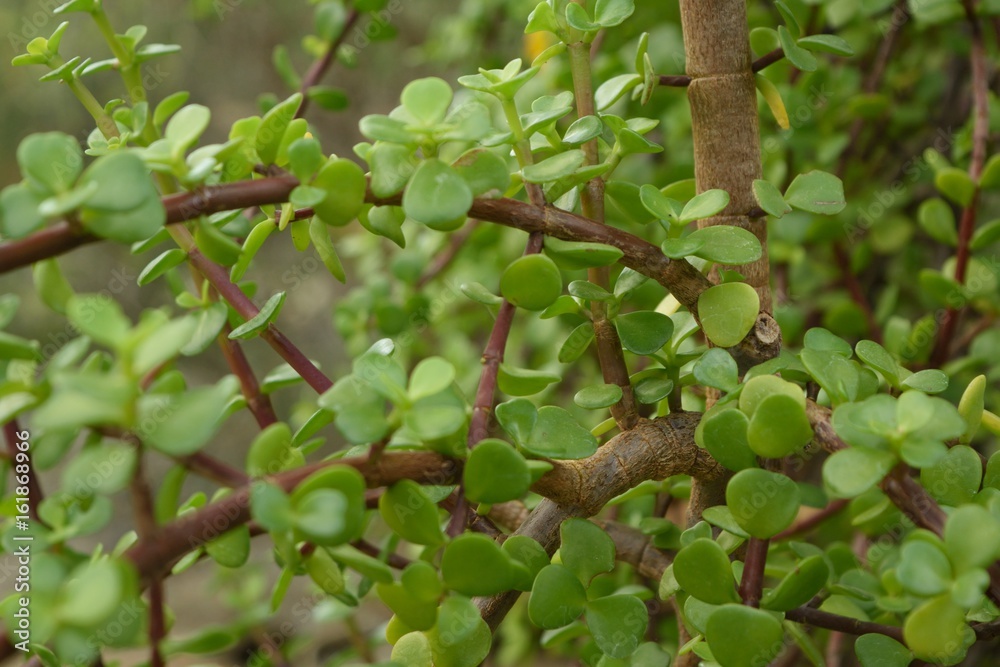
column 723, row 101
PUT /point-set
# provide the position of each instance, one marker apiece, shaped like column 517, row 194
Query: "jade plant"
column 672, row 340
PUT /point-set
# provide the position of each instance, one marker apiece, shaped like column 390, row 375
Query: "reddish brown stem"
column 813, row 520
column 259, row 403
column 320, row 66
column 12, row 432
column 980, row 137
column 851, row 626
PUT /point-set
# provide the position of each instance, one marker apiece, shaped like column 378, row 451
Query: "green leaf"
column 956, row 185
column 105, row 469
column 878, row 358
column 583, row 130
column 990, row 179
column 586, row 550
column 985, row 235
column 806, row 579
column 19, row 211
column 577, row 17
column 518, row 418
column 588, row 291
column 495, row 472
column 269, row 451
column 270, row 507
column 319, row 515
column 955, row 478
column 125, row 207
column 319, row 234
column 612, row 90
column 483, row 170
column 186, row 126
column 728, row 312
column 92, row 593
column 644, row 332
column 557, row 435
column 935, row 218
column 724, row 434
column 778, row 427
column 574, row 256
column 50, row 162
column 272, row 128
column 716, row 368
column 929, row 381
column 796, row 55
column 232, row 548
column 609, row 13
column 437, row 195
column 658, row 204
column 51, row 285
column 410, row 512
column 557, row 598
column 531, row 282
column 161, row 264
column 827, row 44
column 881, row 651
column 522, row 381
column 345, row 186
column 774, row 100
column 971, row 407
column 542, row 18
column 191, row 420
column 427, row 100
column 598, row 396
column 558, row 166
column 259, row 322
column 816, row 192
column 936, row 631
column 100, row 317
column 972, row 538
column 725, row 244
column 704, row 205
column 474, row 564
column 742, row 636
column 431, row 376
column 702, row 569
column 851, row 472
column 763, row 503
column 769, row 198
column 617, row 622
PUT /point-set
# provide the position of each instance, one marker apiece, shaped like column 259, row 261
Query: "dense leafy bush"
column 631, row 351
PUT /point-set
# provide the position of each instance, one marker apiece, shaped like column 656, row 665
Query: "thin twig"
column 13, row 436
column 258, row 402
column 444, row 258
column 813, row 520
column 320, row 66
column 851, row 626
column 980, row 137
column 683, row 80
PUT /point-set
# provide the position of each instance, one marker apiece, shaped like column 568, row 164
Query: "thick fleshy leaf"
column 410, row 512
column 936, row 631
column 474, row 564
column 618, row 623
column 437, row 195
column 728, row 312
column 702, row 569
column 763, row 503
column 851, row 472
column 531, row 282
column 644, row 331
column 557, row 598
column 816, row 192
column 586, row 550
column 495, row 472
column 557, row 435
column 742, row 636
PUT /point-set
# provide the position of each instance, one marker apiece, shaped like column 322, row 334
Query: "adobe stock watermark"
column 32, row 24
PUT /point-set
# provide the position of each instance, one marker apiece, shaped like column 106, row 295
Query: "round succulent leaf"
column 558, row 166
column 644, row 331
column 574, row 256
column 437, row 195
column 704, row 205
column 763, row 503
column 125, row 206
column 955, row 478
column 769, row 198
column 532, row 282
column 409, row 511
column 929, row 381
column 818, row 338
column 717, row 368
column 557, row 435
column 460, row 638
column 702, row 569
column 427, row 100
column 483, row 170
column 726, row 244
column 679, row 248
column 742, row 636
column 518, row 418
column 728, row 312
column 761, row 387
column 659, row 205
column 875, row 650
column 232, row 548
column 430, row 376
column 618, row 624
column 598, row 396
column 816, row 192
column 270, row 451
column 319, row 516
column 778, row 427
column 955, row 184
column 93, row 591
column 325, row 572
column 878, row 358
column 805, row 580
column 557, row 598
column 724, row 435
column 515, row 381
column 474, row 564
column 851, row 472
column 420, row 579
column 416, row 614
column 586, row 550
column 413, row 650
column 936, row 631
column 588, row 291
column 653, row 387
column 495, row 472
column 527, row 552
column 583, row 130
column 936, row 218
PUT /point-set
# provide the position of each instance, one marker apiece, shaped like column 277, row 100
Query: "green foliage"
column 383, row 477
